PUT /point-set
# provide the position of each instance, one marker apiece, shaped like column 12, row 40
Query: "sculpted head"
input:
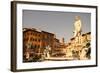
column 77, row 18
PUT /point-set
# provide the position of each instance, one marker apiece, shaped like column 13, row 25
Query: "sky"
column 59, row 23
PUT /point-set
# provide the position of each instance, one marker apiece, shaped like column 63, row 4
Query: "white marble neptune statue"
column 77, row 26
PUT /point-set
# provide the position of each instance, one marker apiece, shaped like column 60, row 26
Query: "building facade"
column 31, row 43
column 35, row 42
column 47, row 39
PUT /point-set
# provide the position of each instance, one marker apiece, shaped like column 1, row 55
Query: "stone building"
column 31, row 43
column 47, row 39
column 35, row 42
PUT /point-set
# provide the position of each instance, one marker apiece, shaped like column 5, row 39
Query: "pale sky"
column 60, row 23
